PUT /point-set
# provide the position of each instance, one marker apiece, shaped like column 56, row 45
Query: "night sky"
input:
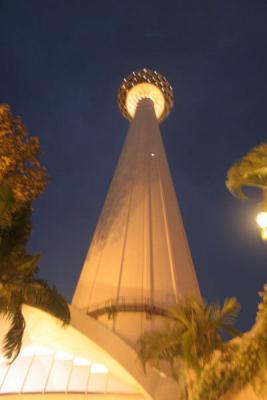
column 61, row 65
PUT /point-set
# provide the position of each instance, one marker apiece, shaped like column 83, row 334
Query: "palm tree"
column 251, row 170
column 34, row 292
column 19, row 284
column 244, row 364
column 192, row 335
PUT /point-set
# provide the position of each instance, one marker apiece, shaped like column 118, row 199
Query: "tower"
column 139, row 263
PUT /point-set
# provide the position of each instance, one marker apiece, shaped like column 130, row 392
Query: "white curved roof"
column 70, row 360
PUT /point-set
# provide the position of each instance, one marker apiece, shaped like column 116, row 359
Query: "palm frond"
column 186, row 311
column 194, row 333
column 230, row 310
column 231, row 330
column 179, row 370
column 251, row 170
column 188, row 349
column 37, row 293
column 156, row 346
column 28, row 267
column 4, row 302
column 13, row 339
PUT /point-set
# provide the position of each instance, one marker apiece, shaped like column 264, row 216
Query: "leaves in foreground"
column 251, row 170
column 245, row 363
column 226, row 366
column 193, row 333
column 22, row 180
column 35, row 293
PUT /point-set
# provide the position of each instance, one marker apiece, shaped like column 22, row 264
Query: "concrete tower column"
column 139, row 262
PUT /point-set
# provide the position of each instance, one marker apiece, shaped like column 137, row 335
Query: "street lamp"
column 261, row 217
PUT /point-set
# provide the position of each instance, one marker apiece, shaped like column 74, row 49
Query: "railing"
column 113, row 306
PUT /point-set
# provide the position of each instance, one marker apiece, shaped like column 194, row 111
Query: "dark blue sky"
column 61, row 65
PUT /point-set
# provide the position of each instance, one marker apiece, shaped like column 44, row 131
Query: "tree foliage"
column 245, row 363
column 251, row 170
column 192, row 335
column 22, row 180
column 19, row 159
column 205, row 366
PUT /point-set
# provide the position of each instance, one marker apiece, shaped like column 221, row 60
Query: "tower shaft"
column 139, row 262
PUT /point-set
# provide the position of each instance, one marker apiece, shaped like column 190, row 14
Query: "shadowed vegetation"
column 22, row 180
column 251, row 170
column 193, row 350
column 194, row 332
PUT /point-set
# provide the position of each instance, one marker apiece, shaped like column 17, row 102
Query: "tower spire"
column 139, row 262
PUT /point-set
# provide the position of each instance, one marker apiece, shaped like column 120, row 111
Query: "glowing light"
column 152, row 154
column 28, row 351
column 99, row 369
column 61, row 355
column 261, row 219
column 264, row 234
column 43, row 351
column 3, row 360
column 142, row 84
column 145, row 91
column 36, row 350
column 79, row 361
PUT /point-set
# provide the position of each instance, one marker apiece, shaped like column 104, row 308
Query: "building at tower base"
column 84, row 360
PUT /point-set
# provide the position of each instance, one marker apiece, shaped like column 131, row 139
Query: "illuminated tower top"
column 139, row 262
column 145, row 84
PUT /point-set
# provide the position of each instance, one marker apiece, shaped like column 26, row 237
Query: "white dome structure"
column 138, row 265
column 80, row 361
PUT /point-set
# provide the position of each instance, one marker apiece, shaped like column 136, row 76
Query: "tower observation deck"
column 139, row 262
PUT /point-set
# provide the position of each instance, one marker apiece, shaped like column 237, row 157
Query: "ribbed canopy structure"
column 139, row 262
